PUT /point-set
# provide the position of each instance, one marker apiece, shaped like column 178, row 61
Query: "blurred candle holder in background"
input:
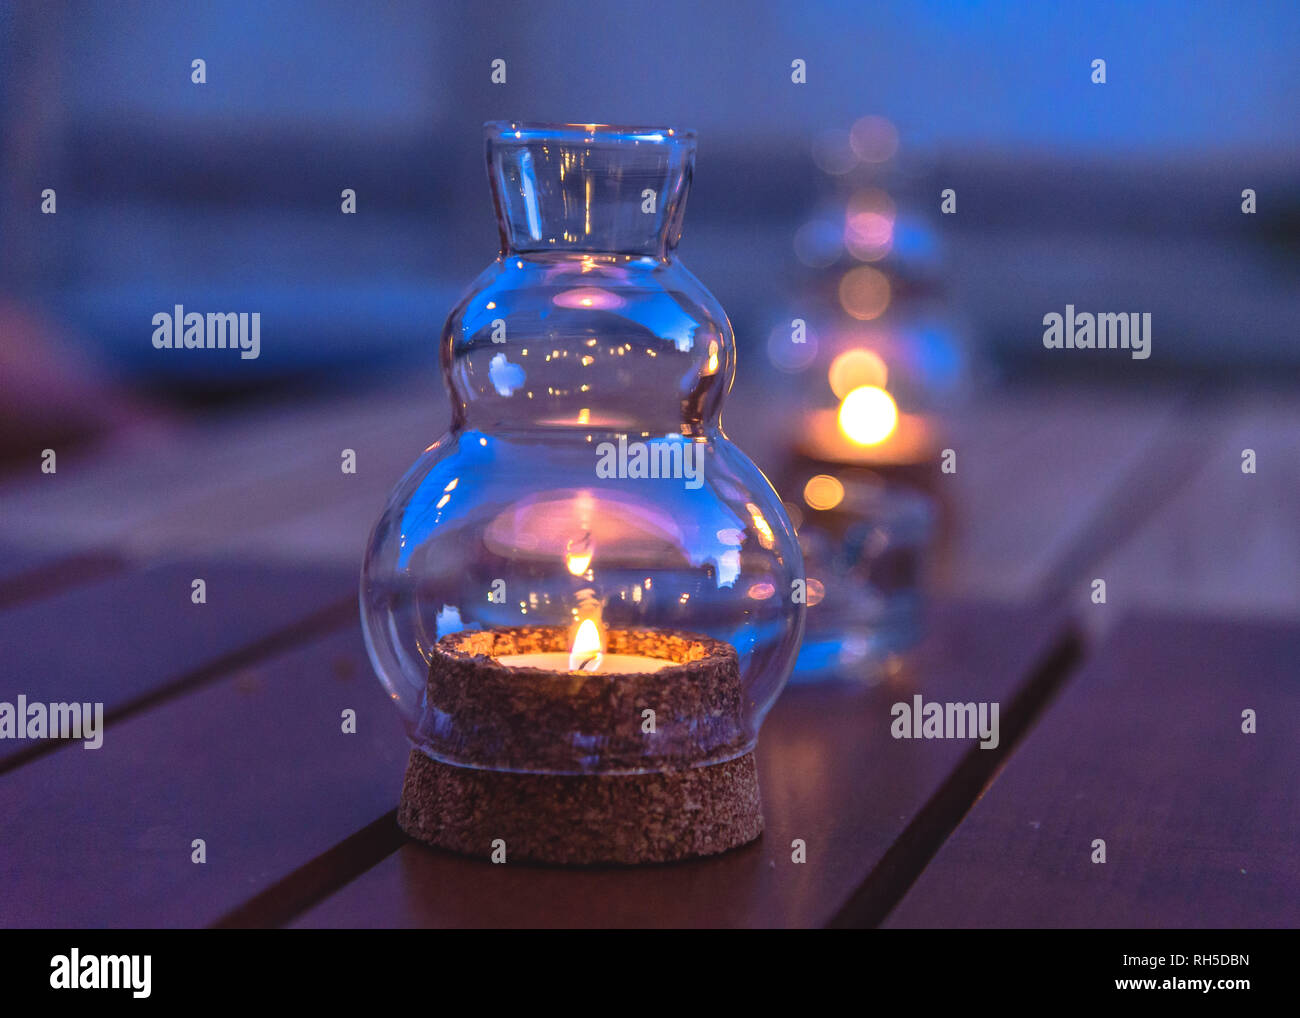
column 855, row 487
column 862, row 477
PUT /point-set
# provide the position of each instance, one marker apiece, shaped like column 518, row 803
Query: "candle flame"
column 868, row 415
column 586, row 654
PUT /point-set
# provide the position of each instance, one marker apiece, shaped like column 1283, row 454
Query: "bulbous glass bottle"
column 585, row 348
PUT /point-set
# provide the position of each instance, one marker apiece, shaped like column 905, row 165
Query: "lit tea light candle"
column 867, row 429
column 587, row 655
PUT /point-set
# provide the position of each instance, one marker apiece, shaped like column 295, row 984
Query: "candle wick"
column 589, row 663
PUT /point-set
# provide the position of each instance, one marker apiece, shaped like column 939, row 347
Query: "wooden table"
column 1120, row 722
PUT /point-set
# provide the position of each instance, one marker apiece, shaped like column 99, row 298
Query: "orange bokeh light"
column 855, row 368
column 823, row 492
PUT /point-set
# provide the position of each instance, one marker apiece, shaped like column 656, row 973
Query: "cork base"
column 583, row 819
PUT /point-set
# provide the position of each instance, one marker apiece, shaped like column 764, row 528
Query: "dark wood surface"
column 1145, row 751
column 256, row 764
column 1119, row 721
column 133, row 634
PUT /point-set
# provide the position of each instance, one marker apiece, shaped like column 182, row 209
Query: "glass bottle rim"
column 508, row 131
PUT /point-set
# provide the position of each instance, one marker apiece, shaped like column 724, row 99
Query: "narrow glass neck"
column 589, row 188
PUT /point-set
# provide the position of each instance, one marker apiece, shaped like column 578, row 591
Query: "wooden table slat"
column 255, row 764
column 1144, row 749
column 1034, row 471
column 126, row 636
column 1227, row 542
column 201, row 485
column 27, row 574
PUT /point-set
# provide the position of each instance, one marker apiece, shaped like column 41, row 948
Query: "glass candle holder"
column 866, row 542
column 581, row 596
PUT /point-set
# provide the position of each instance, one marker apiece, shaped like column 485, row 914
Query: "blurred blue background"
column 226, row 195
column 1122, row 197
